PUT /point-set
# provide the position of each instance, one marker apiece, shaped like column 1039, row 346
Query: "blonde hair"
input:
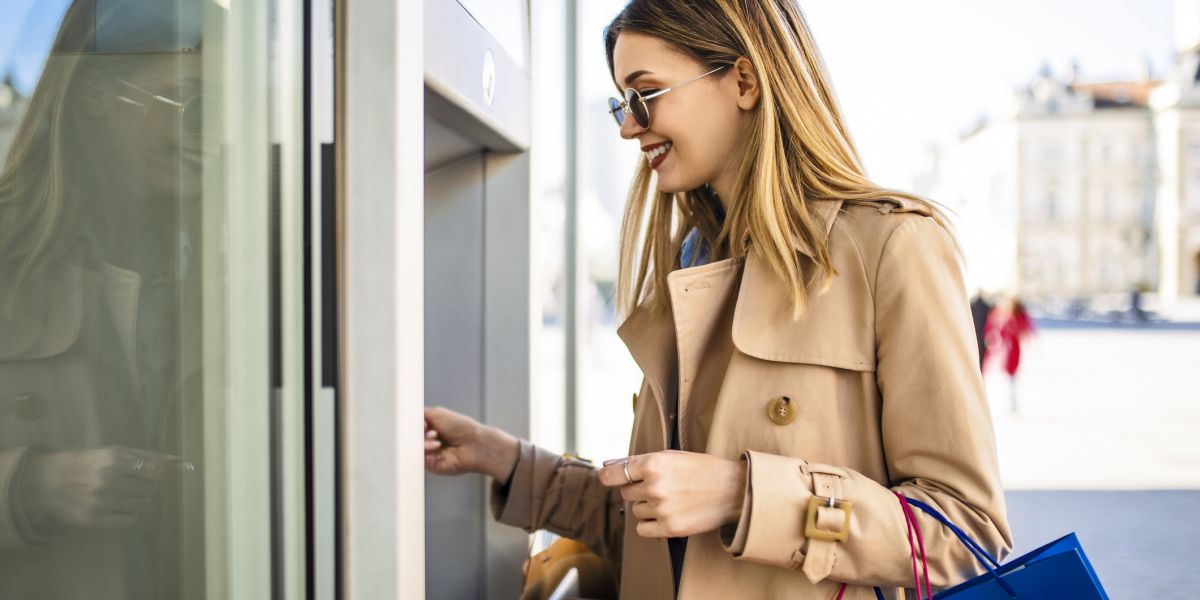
column 56, row 177
column 799, row 151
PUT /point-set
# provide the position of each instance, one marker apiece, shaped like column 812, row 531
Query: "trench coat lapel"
column 48, row 324
column 652, row 341
column 650, row 338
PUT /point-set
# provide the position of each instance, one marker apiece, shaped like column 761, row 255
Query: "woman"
column 821, row 360
column 1007, row 327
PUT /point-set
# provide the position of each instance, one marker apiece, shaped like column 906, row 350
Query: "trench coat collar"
column 651, row 338
column 825, row 212
column 44, row 327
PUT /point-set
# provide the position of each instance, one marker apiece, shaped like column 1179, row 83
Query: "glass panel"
column 134, row 299
column 548, row 155
column 607, row 372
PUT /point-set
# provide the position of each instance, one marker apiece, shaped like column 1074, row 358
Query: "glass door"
column 152, row 422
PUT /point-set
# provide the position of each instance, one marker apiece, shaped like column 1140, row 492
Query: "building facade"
column 1176, row 107
column 1078, row 189
column 12, row 106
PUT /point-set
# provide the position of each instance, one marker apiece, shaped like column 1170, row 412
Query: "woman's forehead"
column 638, row 53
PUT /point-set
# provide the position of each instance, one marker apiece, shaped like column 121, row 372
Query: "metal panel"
column 454, row 299
column 510, row 318
column 479, row 319
column 380, row 109
column 472, row 82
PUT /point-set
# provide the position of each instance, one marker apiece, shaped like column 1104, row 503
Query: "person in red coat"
column 1006, row 326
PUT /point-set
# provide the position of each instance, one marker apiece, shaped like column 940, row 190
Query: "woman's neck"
column 720, row 190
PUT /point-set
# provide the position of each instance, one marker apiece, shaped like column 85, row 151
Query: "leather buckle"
column 810, row 521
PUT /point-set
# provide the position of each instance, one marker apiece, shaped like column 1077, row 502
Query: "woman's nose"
column 630, row 129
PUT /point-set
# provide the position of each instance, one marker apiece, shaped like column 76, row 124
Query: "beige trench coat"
column 68, row 379
column 884, row 376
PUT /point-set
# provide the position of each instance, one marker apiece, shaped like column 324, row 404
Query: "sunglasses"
column 636, row 105
column 185, row 113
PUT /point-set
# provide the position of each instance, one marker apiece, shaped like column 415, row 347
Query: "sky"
column 27, row 29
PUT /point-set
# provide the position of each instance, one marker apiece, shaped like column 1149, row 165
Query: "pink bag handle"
column 912, row 526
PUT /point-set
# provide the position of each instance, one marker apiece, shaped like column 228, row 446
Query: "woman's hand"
column 457, row 444
column 102, row 488
column 677, row 493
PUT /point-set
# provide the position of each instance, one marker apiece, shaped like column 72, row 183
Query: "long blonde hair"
column 799, row 151
column 57, row 176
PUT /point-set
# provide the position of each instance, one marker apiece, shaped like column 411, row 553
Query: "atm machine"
column 478, row 315
column 434, row 288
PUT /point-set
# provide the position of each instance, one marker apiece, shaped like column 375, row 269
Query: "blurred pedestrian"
column 1135, row 304
column 980, row 309
column 1007, row 325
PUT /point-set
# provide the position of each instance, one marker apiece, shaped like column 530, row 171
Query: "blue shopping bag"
column 1058, row 570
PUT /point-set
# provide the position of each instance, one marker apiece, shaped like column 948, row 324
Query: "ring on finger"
column 626, row 469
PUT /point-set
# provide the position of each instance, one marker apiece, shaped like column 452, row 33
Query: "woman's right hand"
column 457, row 444
column 103, row 488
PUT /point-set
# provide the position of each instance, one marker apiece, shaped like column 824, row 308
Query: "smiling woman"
column 804, row 337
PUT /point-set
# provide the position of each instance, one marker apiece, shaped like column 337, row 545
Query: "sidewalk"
column 1106, row 408
column 1142, row 544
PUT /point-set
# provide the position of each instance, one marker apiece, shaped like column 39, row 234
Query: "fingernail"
column 611, row 461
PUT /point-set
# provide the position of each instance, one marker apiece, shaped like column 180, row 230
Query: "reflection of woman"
column 88, row 284
column 821, row 360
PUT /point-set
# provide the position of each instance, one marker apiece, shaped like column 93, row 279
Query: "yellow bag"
column 546, row 569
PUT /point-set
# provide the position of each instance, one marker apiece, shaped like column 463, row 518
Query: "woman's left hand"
column 676, row 493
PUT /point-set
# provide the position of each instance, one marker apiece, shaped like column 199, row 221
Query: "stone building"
column 1078, row 189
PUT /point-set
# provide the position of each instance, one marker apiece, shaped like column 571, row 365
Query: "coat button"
column 29, row 406
column 635, row 402
column 781, row 410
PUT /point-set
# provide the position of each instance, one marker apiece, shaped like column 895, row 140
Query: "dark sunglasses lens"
column 637, row 107
column 618, row 113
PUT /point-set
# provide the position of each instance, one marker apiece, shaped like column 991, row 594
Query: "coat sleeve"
column 15, row 527
column 563, row 495
column 936, row 433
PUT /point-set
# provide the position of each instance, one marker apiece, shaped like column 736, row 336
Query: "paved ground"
column 1106, row 443
column 1143, row 545
column 1102, row 408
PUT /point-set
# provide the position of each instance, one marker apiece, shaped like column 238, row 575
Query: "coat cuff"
column 16, row 529
column 771, row 527
column 512, row 503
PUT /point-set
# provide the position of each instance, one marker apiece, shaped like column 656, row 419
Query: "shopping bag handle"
column 914, row 528
column 988, row 562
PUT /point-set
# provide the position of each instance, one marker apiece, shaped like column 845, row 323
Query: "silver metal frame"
column 381, row 56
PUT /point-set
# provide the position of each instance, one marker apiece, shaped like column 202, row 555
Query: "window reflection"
column 99, row 218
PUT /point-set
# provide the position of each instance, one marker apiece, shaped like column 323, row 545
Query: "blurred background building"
column 12, row 106
column 1079, row 189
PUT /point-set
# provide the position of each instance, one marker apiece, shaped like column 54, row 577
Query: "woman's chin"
column 670, row 185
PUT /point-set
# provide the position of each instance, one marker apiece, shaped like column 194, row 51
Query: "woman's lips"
column 660, row 153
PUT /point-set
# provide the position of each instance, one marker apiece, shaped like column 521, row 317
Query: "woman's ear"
column 749, row 90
